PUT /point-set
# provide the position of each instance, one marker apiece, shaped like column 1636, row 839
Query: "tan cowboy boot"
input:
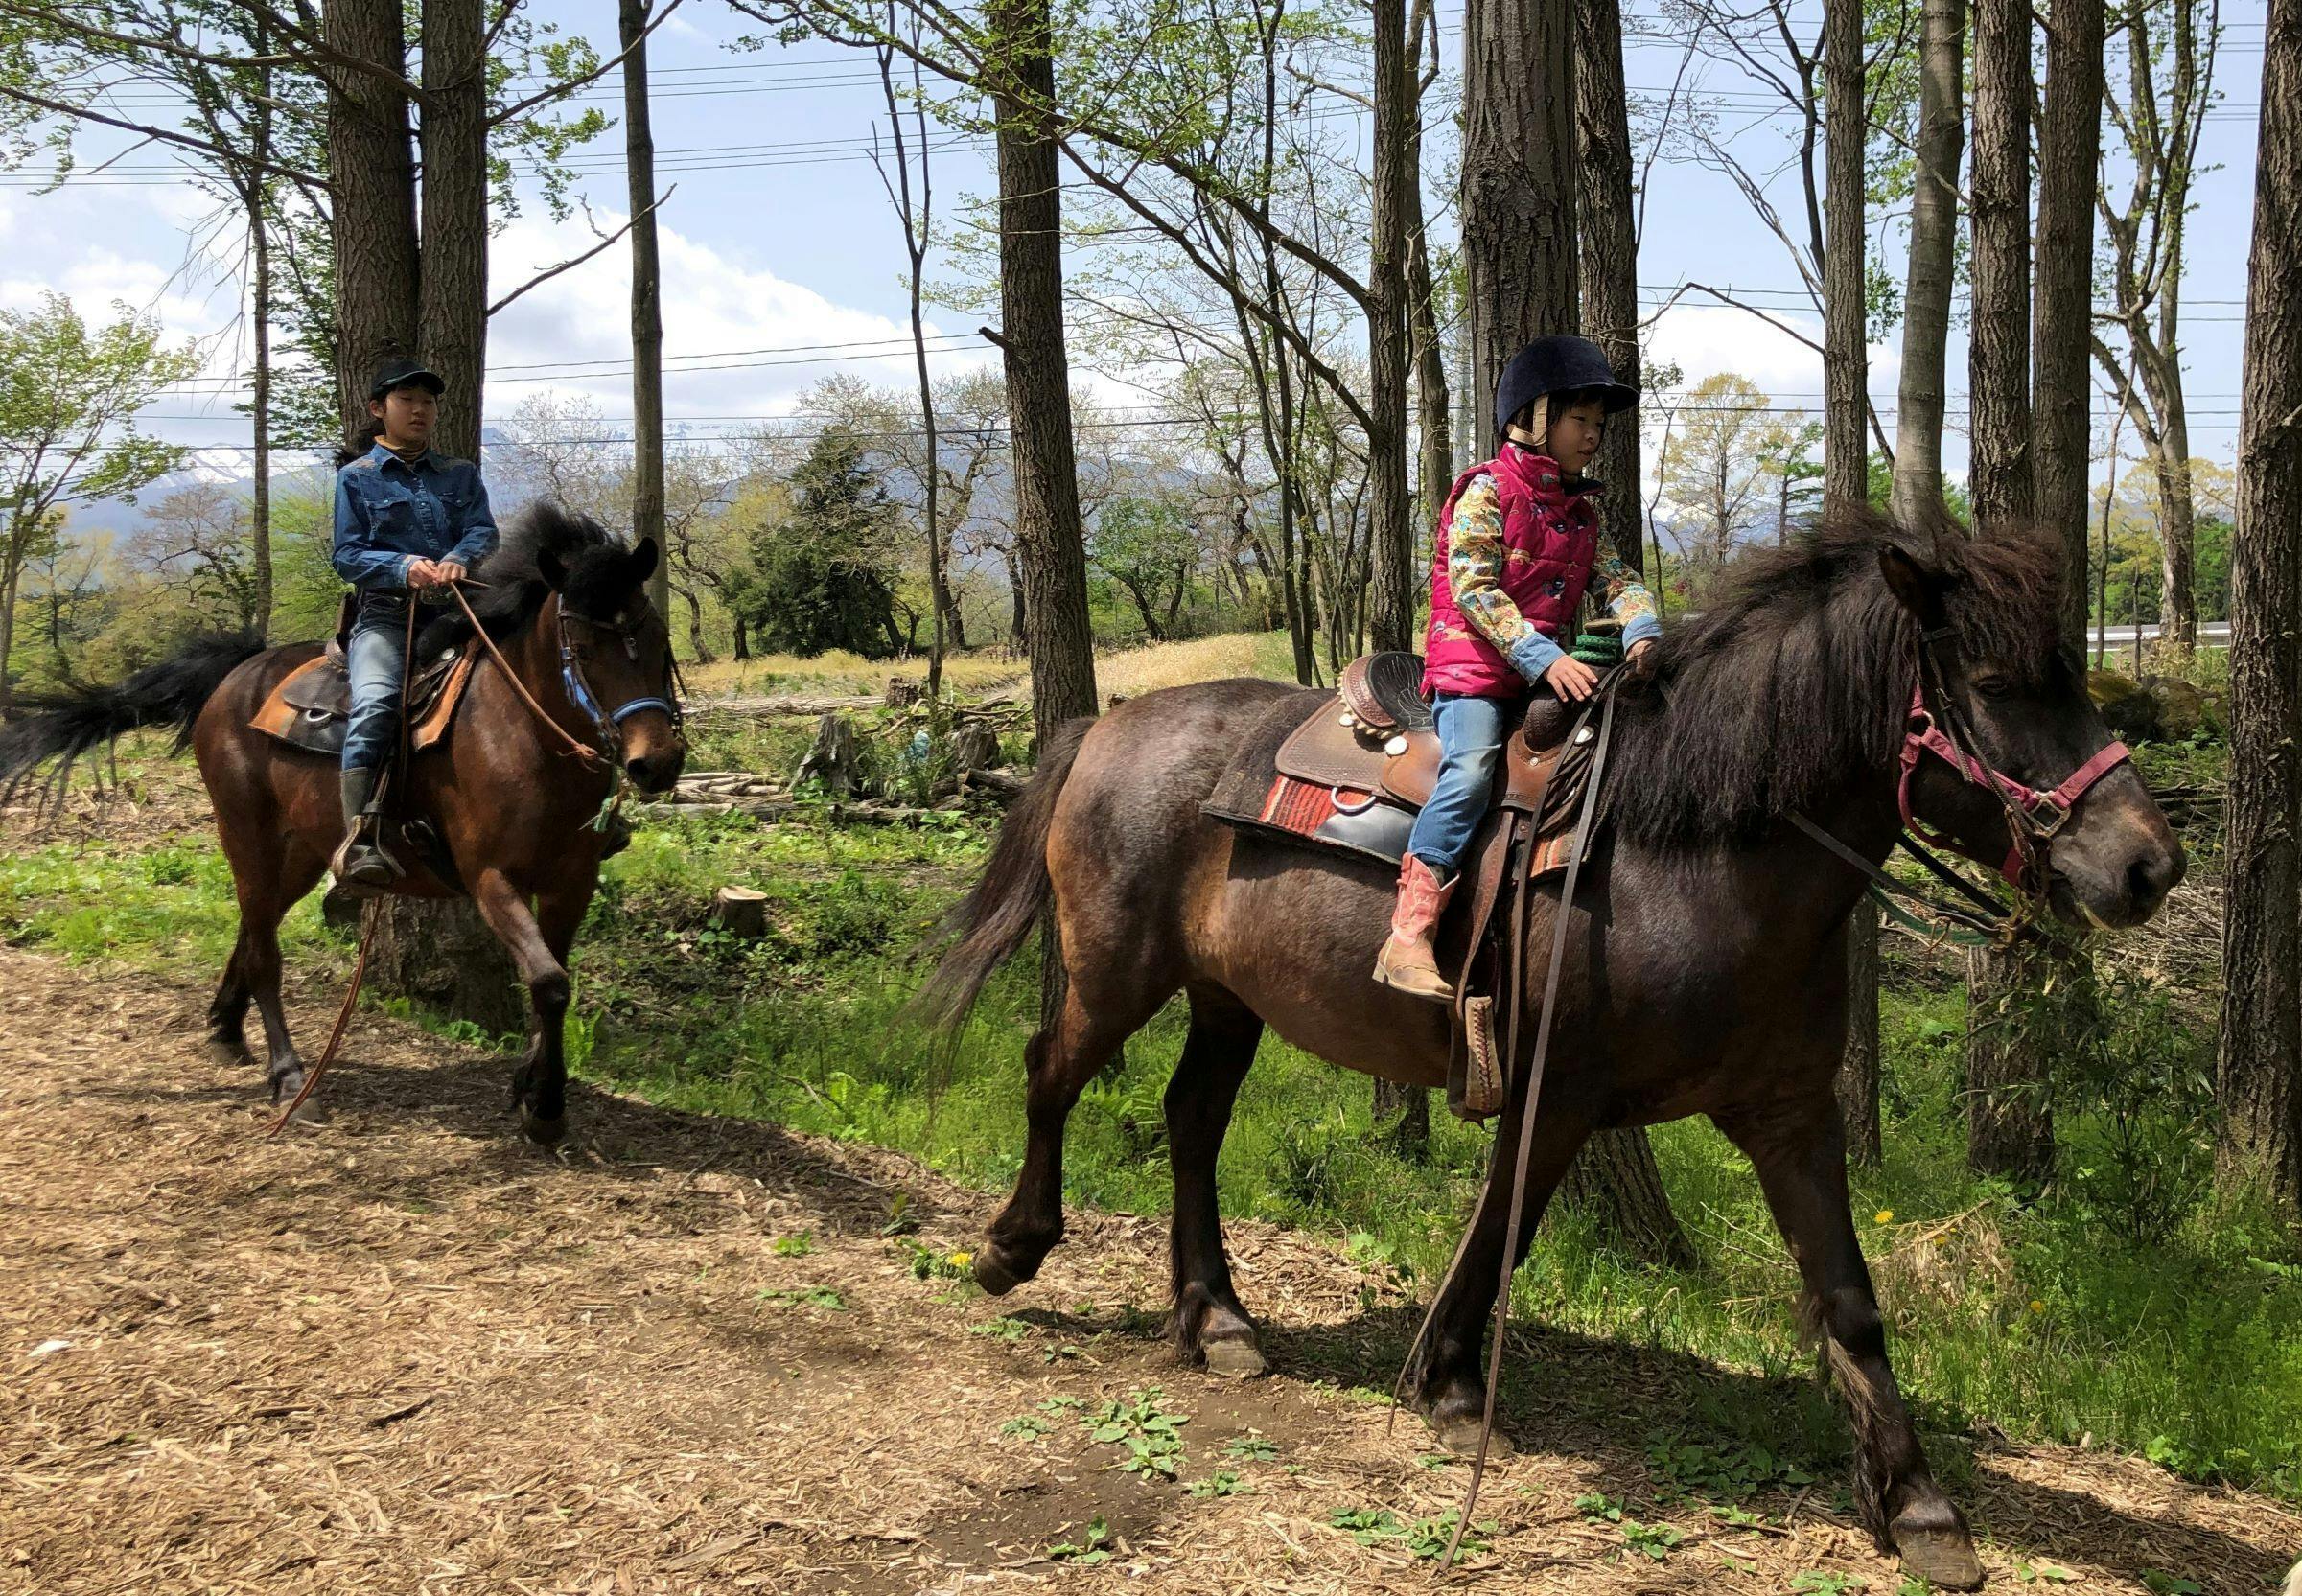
column 1406, row 962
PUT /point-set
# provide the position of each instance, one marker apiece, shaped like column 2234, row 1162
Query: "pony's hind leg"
column 1209, row 1323
column 1062, row 1059
column 267, row 887
column 1800, row 1153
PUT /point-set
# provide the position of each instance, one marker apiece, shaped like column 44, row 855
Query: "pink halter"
column 2033, row 817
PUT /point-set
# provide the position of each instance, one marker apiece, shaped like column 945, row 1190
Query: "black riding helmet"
column 1561, row 364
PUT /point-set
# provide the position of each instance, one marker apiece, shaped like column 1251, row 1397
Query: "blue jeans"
column 1470, row 737
column 376, row 657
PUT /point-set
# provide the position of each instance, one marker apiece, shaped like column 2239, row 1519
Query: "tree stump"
column 902, row 692
column 741, row 911
column 440, row 953
column 974, row 747
column 832, row 760
column 339, row 910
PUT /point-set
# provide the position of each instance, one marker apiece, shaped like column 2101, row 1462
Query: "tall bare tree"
column 647, row 302
column 1918, row 480
column 1846, row 480
column 2259, row 1079
column 1607, row 220
column 2069, row 154
column 1392, row 618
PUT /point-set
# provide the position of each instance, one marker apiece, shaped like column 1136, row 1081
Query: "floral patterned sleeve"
column 1475, row 556
column 1616, row 586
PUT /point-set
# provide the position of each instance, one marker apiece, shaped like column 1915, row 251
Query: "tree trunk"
column 8, row 634
column 1918, row 485
column 1607, row 221
column 2009, row 1129
column 1519, row 254
column 1049, row 542
column 1390, row 521
column 372, row 214
column 2069, row 154
column 740, row 648
column 452, row 319
column 443, row 957
column 1518, row 187
column 647, row 301
column 259, row 244
column 1436, row 467
column 1846, row 483
column 2258, row 1082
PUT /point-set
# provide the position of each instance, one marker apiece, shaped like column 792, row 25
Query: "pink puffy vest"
column 1551, row 542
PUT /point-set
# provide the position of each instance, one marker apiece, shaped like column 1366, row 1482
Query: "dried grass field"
column 402, row 1352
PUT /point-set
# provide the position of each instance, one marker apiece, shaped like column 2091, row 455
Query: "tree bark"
column 2010, row 1131
column 2069, row 155
column 1390, row 521
column 1520, row 243
column 372, row 214
column 647, row 299
column 442, row 956
column 452, row 315
column 1846, row 483
column 253, row 192
column 1917, row 482
column 1607, row 221
column 1518, row 187
column 1050, row 540
column 1436, row 466
column 2259, row 1079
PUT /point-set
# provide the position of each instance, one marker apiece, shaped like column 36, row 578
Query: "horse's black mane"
column 1799, row 669
column 596, row 585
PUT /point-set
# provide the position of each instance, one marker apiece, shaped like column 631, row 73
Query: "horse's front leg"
column 1800, row 1152
column 538, row 1088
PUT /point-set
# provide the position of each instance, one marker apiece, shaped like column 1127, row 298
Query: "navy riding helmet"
column 1561, row 364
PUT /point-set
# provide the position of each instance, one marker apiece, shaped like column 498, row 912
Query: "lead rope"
column 1531, row 1103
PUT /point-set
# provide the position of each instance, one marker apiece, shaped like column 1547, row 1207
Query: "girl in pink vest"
column 1518, row 544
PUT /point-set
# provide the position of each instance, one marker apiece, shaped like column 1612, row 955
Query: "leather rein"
column 2034, row 818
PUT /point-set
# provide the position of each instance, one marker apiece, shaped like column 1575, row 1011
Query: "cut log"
column 741, row 911
column 832, row 760
column 974, row 747
column 999, row 786
column 902, row 692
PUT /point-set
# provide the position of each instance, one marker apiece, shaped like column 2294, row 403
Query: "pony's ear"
column 640, row 562
column 1917, row 585
column 551, row 568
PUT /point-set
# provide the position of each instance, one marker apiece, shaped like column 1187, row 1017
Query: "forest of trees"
column 1310, row 235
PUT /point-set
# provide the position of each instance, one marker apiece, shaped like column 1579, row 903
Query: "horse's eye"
column 1993, row 686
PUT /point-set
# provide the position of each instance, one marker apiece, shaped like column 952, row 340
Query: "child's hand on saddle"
column 1643, row 660
column 1571, row 678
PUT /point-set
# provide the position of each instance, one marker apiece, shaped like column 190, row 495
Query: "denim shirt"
column 390, row 513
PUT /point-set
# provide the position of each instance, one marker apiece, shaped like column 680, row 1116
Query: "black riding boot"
column 361, row 861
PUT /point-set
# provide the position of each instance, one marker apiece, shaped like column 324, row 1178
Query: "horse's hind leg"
column 1209, row 1321
column 268, row 887
column 1445, row 1381
column 1062, row 1059
column 1800, row 1152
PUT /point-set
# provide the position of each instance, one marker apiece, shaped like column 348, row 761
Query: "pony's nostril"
column 2151, row 877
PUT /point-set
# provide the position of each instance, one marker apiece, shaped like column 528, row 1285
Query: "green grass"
column 2037, row 1317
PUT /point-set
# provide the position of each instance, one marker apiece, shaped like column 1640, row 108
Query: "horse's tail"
column 70, row 722
column 1013, row 892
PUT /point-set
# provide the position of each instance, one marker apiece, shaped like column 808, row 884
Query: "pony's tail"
column 1014, row 892
column 69, row 723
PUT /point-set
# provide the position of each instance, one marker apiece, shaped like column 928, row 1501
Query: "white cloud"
column 738, row 338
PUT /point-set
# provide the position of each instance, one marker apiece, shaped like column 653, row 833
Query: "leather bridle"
column 607, row 724
column 1940, row 730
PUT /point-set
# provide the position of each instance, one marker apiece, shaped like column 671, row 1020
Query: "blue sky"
column 782, row 258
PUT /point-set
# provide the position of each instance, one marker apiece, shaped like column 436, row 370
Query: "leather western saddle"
column 1350, row 771
column 311, row 708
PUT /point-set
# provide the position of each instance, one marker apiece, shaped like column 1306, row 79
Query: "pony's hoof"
column 284, row 1089
column 1934, row 1545
column 542, row 1132
column 1458, row 1433
column 229, row 1050
column 994, row 1275
column 1235, row 1357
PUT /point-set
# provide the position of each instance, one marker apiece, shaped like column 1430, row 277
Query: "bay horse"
column 513, row 806
column 1705, row 951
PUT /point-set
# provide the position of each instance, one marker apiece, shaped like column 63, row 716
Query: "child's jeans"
column 377, row 657
column 1470, row 737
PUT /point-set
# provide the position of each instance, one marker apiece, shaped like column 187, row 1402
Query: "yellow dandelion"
column 1886, row 1216
column 2038, row 1306
column 960, row 1261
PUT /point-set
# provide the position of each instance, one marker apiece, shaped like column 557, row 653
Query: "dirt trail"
column 404, row 1353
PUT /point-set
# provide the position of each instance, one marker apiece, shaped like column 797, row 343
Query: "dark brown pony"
column 1705, row 957
column 513, row 806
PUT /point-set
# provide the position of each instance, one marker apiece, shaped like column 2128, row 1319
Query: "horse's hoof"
column 229, row 1050
column 994, row 1275
column 1235, row 1357
column 1933, row 1542
column 284, row 1089
column 544, row 1133
column 1458, row 1433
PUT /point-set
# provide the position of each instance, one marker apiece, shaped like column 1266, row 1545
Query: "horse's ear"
column 551, row 568
column 1917, row 585
column 640, row 562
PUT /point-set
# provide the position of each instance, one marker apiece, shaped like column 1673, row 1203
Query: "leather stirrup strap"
column 1531, row 1095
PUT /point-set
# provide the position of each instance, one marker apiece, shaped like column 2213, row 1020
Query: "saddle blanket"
column 312, row 707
